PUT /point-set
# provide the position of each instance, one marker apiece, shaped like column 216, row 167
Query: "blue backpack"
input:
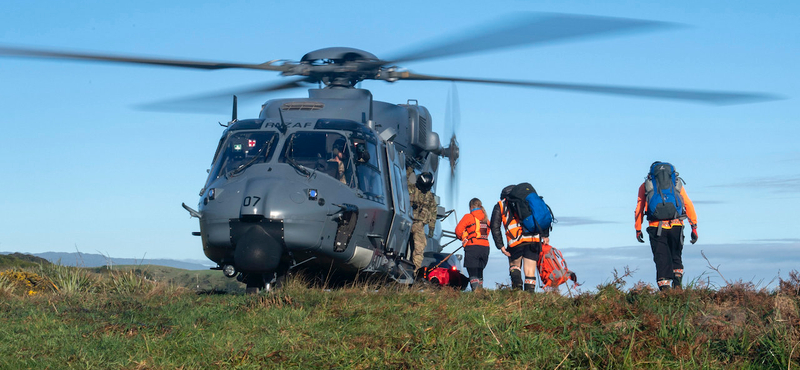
column 662, row 188
column 530, row 209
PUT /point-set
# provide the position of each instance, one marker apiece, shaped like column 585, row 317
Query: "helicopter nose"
column 257, row 251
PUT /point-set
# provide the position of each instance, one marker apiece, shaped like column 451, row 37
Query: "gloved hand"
column 430, row 233
column 694, row 234
column 639, row 236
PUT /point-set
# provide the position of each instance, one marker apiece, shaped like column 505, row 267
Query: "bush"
column 23, row 281
column 128, row 282
column 70, row 280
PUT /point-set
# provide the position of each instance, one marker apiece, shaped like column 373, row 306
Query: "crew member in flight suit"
column 424, row 204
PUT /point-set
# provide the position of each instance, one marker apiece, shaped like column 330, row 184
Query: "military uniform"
column 424, row 205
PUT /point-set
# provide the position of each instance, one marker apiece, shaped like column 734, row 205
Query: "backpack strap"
column 475, row 234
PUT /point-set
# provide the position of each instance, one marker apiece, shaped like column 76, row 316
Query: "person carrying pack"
column 529, row 208
column 662, row 198
column 473, row 231
column 523, row 247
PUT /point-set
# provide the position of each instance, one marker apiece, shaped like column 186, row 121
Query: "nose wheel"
column 255, row 283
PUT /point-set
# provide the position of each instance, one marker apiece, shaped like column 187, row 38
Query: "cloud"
column 760, row 262
column 795, row 157
column 708, row 202
column 757, row 261
column 578, row 221
column 784, row 240
column 775, row 184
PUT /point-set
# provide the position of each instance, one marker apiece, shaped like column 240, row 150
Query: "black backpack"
column 533, row 214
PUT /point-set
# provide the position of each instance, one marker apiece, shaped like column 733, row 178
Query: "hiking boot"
column 676, row 282
column 516, row 279
column 476, row 284
column 530, row 288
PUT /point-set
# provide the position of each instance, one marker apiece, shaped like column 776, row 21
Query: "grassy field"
column 61, row 317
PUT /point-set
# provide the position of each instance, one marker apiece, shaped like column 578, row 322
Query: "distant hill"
column 98, row 260
column 20, row 260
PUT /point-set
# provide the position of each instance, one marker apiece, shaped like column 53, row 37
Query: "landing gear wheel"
column 255, row 283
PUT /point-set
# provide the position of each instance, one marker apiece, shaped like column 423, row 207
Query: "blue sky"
column 84, row 170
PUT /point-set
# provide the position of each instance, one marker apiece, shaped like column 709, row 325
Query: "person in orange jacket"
column 666, row 235
column 473, row 231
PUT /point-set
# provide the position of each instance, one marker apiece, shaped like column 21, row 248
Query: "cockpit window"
column 326, row 152
column 367, row 168
column 243, row 149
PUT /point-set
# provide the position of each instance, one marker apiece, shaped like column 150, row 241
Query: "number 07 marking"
column 248, row 200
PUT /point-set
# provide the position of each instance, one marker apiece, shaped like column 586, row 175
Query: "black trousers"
column 475, row 259
column 667, row 251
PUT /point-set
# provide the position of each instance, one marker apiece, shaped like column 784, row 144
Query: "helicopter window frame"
column 402, row 187
column 226, row 149
column 219, row 148
column 368, row 172
column 324, row 161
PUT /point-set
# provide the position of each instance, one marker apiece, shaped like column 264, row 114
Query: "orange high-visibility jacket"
column 473, row 229
column 641, row 205
column 514, row 233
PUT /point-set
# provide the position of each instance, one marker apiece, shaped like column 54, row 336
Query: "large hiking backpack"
column 662, row 188
column 553, row 269
column 530, row 209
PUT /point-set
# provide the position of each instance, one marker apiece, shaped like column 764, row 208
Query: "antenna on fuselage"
column 370, row 122
column 233, row 115
column 282, row 127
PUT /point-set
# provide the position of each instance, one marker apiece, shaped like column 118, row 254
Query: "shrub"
column 27, row 282
column 790, row 286
column 69, row 280
column 128, row 282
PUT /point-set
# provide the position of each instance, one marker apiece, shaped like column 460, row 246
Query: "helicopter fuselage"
column 313, row 182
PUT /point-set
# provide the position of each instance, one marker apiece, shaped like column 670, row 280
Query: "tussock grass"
column 70, row 280
column 129, row 321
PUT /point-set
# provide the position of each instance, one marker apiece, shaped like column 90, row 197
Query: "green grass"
column 200, row 280
column 151, row 324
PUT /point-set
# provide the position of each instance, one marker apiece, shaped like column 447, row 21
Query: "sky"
column 84, row 170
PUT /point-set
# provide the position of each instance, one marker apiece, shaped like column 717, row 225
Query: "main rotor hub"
column 340, row 66
column 338, row 55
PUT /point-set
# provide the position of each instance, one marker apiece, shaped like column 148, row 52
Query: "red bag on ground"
column 553, row 269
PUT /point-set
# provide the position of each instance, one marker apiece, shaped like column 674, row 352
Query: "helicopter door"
column 400, row 229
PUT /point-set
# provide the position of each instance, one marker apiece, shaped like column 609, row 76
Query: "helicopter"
column 321, row 183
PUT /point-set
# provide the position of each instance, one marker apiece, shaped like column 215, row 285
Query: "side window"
column 402, row 188
column 367, row 168
column 219, row 148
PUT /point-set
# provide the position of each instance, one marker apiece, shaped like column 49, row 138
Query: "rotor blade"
column 448, row 131
column 452, row 121
column 456, row 109
column 219, row 101
column 698, row 96
column 52, row 54
column 528, row 29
